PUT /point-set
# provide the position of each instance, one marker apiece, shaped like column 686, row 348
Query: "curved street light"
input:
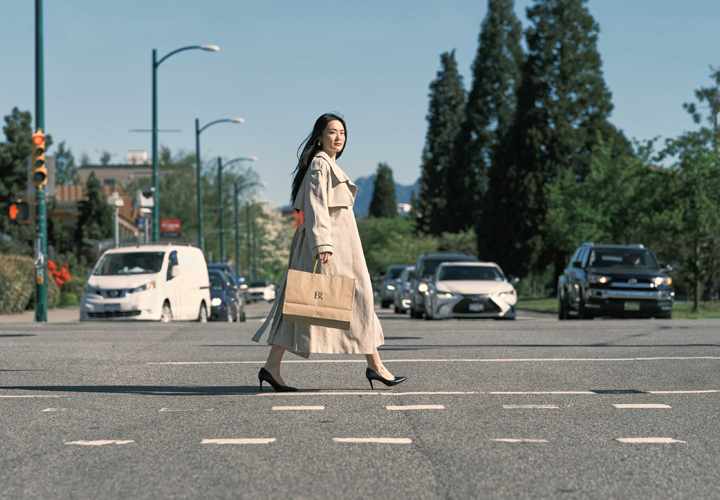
column 198, row 131
column 156, row 177
column 245, row 185
column 221, row 166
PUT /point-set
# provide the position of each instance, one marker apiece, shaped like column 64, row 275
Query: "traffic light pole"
column 222, row 211
column 41, row 219
column 199, row 186
column 155, row 173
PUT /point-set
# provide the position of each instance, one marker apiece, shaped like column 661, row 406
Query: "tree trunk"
column 698, row 290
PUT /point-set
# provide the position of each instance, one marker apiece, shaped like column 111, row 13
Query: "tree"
column 489, row 112
column 383, row 202
column 563, row 106
column 96, row 216
column 65, row 168
column 445, row 116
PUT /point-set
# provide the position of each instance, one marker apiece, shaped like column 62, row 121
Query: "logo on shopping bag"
column 318, row 295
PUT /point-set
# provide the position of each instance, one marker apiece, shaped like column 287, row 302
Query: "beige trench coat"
column 327, row 197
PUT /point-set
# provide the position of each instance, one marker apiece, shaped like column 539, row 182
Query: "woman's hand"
column 324, row 257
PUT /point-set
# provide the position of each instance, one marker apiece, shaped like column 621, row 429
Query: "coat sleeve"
column 317, row 215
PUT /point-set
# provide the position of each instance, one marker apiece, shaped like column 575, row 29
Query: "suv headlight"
column 89, row 289
column 445, row 295
column 142, row 288
column 507, row 292
column 595, row 279
column 216, row 301
column 660, row 281
column 391, row 287
column 422, row 288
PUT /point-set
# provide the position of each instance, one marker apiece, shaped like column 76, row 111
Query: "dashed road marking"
column 683, row 392
column 239, row 441
column 530, row 407
column 416, row 407
column 543, row 392
column 54, row 409
column 641, row 406
column 100, row 442
column 289, row 408
column 374, row 440
column 33, row 396
column 513, row 440
column 649, row 440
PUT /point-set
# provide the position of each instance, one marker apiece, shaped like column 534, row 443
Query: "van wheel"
column 242, row 316
column 166, row 316
column 202, row 315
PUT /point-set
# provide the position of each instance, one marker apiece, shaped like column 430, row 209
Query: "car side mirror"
column 577, row 264
column 175, row 272
column 514, row 280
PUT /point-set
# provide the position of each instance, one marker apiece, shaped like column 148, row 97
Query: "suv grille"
column 463, row 307
column 114, row 314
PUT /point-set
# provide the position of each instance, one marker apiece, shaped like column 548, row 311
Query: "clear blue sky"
column 283, row 63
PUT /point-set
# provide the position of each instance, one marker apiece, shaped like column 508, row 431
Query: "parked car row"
column 450, row 285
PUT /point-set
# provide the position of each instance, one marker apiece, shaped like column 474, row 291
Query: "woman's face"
column 333, row 137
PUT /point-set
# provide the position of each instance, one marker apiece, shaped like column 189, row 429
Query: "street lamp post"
column 238, row 267
column 156, row 175
column 198, row 131
column 222, row 204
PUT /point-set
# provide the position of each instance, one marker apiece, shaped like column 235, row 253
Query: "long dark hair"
column 310, row 148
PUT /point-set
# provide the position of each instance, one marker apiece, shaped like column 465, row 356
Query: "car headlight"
column 216, row 301
column 507, row 292
column 142, row 288
column 595, row 279
column 445, row 295
column 89, row 289
column 660, row 281
column 422, row 288
column 391, row 287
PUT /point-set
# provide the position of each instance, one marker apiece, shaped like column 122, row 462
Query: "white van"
column 148, row 282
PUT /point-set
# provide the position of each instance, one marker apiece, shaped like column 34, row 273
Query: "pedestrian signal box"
column 20, row 211
column 39, row 169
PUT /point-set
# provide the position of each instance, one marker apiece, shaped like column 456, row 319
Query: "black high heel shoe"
column 373, row 375
column 264, row 376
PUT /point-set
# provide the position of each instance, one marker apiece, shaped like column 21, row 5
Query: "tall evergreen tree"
column 383, row 202
column 562, row 106
column 65, row 168
column 445, row 117
column 95, row 220
column 489, row 112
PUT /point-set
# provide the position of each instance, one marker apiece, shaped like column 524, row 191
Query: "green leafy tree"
column 562, row 106
column 65, row 168
column 383, row 202
column 488, row 115
column 445, row 117
column 96, row 216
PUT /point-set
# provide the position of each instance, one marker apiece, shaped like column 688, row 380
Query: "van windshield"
column 116, row 264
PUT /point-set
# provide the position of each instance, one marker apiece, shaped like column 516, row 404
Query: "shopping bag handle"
column 315, row 268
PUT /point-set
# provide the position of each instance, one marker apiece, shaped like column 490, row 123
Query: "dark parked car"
column 425, row 269
column 615, row 280
column 226, row 301
column 390, row 284
column 228, row 270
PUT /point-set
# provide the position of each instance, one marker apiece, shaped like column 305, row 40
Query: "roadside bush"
column 17, row 274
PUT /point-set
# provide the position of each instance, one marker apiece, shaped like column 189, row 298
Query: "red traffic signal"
column 38, row 139
column 20, row 211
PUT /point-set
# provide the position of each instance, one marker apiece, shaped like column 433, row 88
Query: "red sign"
column 170, row 227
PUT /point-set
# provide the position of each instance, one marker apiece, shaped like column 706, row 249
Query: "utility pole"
column 222, row 212
column 199, row 186
column 247, row 237
column 41, row 221
column 237, row 231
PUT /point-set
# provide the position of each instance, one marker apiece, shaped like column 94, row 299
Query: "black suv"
column 425, row 269
column 615, row 280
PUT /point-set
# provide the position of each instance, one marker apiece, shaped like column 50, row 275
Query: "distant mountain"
column 365, row 191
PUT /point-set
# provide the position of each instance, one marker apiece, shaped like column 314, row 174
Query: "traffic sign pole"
column 41, row 217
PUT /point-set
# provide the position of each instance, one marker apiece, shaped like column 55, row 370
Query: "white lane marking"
column 391, row 393
column 461, row 360
column 311, row 408
column 416, row 407
column 300, row 393
column 54, row 409
column 545, row 392
column 683, row 392
column 641, row 406
column 508, row 440
column 171, row 410
column 374, row 440
column 100, row 442
column 649, row 440
column 239, row 441
column 34, row 396
column 529, row 407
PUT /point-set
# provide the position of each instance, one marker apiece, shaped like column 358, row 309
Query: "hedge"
column 17, row 284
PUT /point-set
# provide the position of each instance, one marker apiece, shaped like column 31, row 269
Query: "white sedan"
column 260, row 290
column 470, row 290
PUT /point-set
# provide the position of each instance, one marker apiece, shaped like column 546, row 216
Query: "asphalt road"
column 491, row 409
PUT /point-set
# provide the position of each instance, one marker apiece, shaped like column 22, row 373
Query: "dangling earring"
column 319, row 143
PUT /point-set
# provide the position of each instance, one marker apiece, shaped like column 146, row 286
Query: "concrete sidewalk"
column 66, row 314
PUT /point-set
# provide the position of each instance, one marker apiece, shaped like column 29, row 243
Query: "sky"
column 282, row 64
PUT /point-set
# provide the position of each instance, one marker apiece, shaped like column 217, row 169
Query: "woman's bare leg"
column 273, row 362
column 375, row 363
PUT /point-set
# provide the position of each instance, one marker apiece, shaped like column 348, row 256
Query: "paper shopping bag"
column 319, row 299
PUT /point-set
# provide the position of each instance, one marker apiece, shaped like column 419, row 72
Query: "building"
column 68, row 198
column 137, row 166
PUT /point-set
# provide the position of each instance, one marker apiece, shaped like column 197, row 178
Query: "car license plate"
column 632, row 306
column 477, row 307
column 112, row 307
